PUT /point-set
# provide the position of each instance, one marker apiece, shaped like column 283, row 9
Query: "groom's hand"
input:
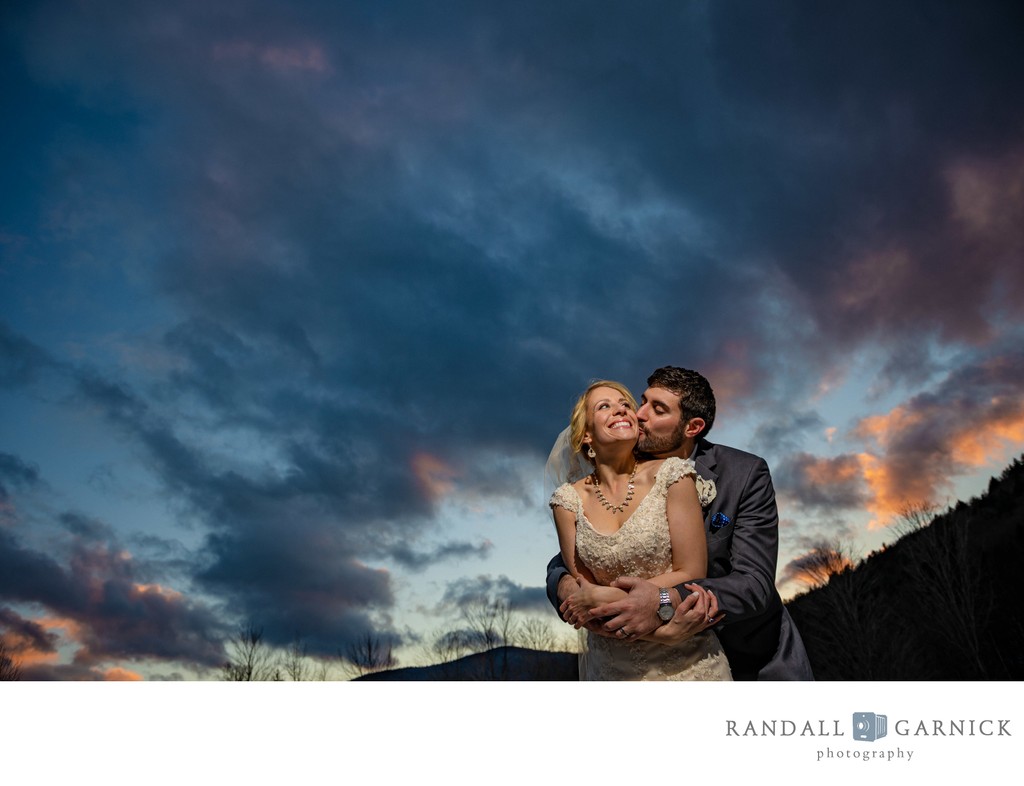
column 637, row 613
column 697, row 612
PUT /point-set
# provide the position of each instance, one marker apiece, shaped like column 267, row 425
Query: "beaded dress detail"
column 641, row 547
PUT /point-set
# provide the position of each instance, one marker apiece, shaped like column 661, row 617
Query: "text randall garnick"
column 904, row 728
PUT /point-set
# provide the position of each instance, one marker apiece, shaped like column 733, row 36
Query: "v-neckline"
column 629, row 518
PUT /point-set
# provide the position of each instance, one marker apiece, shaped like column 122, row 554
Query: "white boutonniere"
column 706, row 491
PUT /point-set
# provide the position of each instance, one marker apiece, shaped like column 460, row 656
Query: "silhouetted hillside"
column 942, row 603
column 502, row 663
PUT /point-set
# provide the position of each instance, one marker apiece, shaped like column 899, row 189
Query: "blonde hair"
column 578, row 419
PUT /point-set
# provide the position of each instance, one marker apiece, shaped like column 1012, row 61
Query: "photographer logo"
column 868, row 726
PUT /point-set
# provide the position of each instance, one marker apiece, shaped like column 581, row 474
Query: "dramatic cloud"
column 25, row 639
column 488, row 589
column 823, row 483
column 110, row 614
column 312, row 287
column 916, row 450
column 912, row 454
column 454, row 550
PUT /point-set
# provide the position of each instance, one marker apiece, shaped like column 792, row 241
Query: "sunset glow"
column 295, row 299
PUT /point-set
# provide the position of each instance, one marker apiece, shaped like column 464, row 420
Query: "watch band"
column 665, row 610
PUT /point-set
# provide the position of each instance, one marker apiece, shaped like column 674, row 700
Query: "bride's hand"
column 576, row 609
column 697, row 612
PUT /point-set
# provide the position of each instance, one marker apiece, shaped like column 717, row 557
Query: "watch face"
column 665, row 613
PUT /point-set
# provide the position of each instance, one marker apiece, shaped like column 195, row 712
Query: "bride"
column 630, row 516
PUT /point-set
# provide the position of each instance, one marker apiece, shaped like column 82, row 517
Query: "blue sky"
column 295, row 297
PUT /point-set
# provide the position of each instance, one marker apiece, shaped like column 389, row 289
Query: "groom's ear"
column 694, row 427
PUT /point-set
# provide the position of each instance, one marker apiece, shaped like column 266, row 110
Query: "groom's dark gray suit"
column 742, row 529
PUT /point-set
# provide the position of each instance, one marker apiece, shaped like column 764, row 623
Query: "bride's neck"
column 612, row 465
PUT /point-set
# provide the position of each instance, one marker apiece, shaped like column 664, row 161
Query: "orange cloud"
column 817, row 566
column 25, row 652
column 118, row 674
column 435, row 477
column 977, row 448
column 912, row 470
column 30, row 641
column 156, row 589
column 882, row 428
column 823, row 483
column 828, row 472
column 71, row 627
column 887, row 495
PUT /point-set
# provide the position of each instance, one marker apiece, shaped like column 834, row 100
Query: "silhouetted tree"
column 368, row 653
column 913, row 517
column 447, row 648
column 946, row 574
column 10, row 669
column 249, row 658
column 535, row 634
column 294, row 661
column 491, row 620
column 823, row 561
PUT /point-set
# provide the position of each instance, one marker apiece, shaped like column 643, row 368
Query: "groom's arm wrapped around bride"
column 741, row 525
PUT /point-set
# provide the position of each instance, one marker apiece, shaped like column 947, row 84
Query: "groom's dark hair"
column 696, row 398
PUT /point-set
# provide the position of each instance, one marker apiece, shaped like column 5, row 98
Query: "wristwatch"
column 665, row 610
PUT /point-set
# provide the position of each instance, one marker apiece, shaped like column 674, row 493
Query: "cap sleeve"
column 674, row 469
column 565, row 496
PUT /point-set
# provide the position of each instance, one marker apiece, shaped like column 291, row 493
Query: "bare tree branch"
column 368, row 653
column 249, row 658
column 10, row 669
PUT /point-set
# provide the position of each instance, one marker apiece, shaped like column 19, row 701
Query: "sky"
column 295, row 297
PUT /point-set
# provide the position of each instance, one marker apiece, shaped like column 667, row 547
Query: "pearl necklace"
column 629, row 493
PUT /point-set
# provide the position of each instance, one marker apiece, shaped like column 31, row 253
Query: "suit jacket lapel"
column 705, row 460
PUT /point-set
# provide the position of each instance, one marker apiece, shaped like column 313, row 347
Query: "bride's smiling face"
column 610, row 417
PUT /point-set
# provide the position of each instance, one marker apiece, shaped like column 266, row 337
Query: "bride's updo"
column 578, row 420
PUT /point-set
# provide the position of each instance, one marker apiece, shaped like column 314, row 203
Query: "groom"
column 741, row 524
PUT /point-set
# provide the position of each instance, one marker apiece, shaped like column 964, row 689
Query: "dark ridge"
column 942, row 603
column 923, row 608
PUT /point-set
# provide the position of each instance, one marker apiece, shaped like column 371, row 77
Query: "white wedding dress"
column 641, row 547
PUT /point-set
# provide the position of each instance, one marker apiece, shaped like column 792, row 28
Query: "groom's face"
column 662, row 429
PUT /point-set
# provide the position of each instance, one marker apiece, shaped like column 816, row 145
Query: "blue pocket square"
column 718, row 521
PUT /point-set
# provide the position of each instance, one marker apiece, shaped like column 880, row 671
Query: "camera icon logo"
column 868, row 726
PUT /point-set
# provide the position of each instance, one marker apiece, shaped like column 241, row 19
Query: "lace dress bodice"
column 640, row 547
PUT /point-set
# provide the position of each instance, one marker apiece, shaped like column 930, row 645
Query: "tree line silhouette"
column 487, row 643
column 940, row 603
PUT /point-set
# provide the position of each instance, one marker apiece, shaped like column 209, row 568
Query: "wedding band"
column 621, row 632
